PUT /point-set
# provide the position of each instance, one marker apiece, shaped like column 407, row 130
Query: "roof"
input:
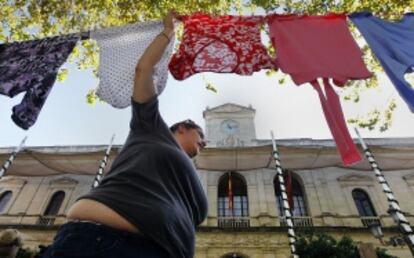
column 390, row 153
column 228, row 108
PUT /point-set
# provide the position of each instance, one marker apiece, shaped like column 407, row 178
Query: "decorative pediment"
column 228, row 108
column 64, row 181
column 409, row 179
column 13, row 181
column 355, row 178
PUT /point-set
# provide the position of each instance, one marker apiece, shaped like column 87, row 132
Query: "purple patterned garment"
column 32, row 66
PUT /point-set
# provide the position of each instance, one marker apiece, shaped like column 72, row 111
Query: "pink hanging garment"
column 312, row 47
column 221, row 44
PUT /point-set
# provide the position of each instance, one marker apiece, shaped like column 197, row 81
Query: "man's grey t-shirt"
column 154, row 185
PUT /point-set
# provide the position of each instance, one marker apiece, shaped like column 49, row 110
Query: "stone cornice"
column 355, row 178
column 13, row 181
column 64, row 181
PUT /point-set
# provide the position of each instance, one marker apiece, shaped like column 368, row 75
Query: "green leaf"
column 62, row 74
column 91, row 97
column 211, row 87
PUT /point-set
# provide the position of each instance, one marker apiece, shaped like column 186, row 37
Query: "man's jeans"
column 90, row 240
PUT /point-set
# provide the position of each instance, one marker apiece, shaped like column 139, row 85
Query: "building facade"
column 237, row 172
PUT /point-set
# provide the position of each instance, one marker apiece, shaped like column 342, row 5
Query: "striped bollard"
column 286, row 208
column 8, row 162
column 99, row 173
column 403, row 223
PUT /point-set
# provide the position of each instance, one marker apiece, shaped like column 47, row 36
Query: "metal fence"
column 369, row 221
column 233, row 222
column 301, row 222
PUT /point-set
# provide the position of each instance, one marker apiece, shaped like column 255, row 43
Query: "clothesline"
column 85, row 35
column 309, row 47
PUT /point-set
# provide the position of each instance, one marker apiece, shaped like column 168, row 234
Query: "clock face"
column 230, row 126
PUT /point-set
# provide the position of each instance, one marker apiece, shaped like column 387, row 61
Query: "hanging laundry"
column 312, row 47
column 221, row 44
column 393, row 44
column 31, row 67
column 120, row 50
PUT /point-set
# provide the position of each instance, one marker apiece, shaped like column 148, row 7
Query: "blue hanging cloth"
column 393, row 44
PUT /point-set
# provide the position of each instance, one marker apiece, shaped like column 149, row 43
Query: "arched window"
column 363, row 203
column 4, row 200
column 299, row 206
column 55, row 203
column 232, row 196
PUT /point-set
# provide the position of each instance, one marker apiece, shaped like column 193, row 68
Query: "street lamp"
column 409, row 239
column 375, row 228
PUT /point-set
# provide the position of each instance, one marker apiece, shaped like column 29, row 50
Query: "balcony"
column 369, row 221
column 46, row 220
column 298, row 222
column 31, row 220
column 233, row 222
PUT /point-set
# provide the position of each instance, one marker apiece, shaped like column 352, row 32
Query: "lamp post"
column 8, row 162
column 99, row 174
column 408, row 238
column 286, row 207
column 375, row 228
column 395, row 210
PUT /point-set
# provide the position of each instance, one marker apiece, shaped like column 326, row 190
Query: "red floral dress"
column 221, row 44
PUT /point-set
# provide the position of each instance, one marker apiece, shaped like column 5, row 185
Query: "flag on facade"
column 230, row 194
column 289, row 189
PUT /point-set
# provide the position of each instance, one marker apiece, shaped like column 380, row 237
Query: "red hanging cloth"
column 312, row 47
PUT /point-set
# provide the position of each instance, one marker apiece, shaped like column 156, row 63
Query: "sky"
column 290, row 111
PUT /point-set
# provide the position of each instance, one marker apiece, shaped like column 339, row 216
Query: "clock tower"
column 230, row 125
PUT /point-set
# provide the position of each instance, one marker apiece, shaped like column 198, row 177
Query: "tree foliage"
column 32, row 19
column 26, row 253
column 323, row 245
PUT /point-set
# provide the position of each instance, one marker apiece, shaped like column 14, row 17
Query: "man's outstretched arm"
column 143, row 85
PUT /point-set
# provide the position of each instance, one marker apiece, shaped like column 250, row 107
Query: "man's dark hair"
column 188, row 124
